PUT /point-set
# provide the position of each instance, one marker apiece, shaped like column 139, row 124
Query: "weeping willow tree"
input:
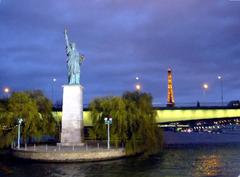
column 44, row 106
column 109, row 107
column 34, row 109
column 133, row 122
column 4, row 137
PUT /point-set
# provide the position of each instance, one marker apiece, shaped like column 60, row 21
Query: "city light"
column 138, row 87
column 205, row 86
column 54, row 80
column 137, row 78
column 221, row 87
column 6, row 90
column 170, row 95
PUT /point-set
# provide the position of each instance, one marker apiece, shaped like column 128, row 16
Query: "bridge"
column 181, row 114
column 194, row 114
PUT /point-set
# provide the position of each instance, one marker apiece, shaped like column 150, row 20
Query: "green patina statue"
column 74, row 61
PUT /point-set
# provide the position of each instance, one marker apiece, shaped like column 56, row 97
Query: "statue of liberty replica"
column 72, row 109
column 74, row 61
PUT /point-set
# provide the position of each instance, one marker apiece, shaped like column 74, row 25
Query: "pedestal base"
column 72, row 116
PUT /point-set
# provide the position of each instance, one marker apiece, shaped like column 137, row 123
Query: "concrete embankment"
column 69, row 156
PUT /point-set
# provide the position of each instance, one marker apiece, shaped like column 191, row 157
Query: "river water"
column 196, row 161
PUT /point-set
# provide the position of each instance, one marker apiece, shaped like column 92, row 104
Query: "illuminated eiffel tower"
column 170, row 98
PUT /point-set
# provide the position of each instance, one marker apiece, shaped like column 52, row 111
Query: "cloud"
column 123, row 39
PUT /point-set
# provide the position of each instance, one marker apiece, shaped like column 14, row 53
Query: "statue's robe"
column 73, row 63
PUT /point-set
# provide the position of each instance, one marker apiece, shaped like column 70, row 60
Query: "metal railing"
column 89, row 145
column 176, row 105
column 194, row 104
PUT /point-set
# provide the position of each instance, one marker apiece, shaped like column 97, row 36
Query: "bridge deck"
column 178, row 114
column 173, row 115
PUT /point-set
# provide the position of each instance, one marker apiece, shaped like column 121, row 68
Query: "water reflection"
column 207, row 165
column 4, row 169
column 173, row 162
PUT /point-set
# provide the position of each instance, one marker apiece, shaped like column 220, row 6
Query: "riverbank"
column 211, row 160
column 67, row 154
column 88, row 153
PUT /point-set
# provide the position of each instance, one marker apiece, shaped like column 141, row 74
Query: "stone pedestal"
column 72, row 116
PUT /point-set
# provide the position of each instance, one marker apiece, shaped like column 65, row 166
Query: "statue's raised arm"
column 74, row 61
column 66, row 37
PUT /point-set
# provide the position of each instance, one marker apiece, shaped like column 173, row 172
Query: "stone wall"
column 74, row 156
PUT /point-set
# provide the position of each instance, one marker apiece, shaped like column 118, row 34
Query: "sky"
column 122, row 40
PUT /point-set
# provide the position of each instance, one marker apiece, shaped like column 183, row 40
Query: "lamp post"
column 53, row 83
column 138, row 87
column 221, row 85
column 108, row 121
column 20, row 120
column 205, row 88
column 6, row 91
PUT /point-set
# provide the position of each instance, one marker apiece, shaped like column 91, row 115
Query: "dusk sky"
column 198, row 39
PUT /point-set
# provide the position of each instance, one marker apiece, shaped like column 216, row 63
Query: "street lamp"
column 20, row 120
column 205, row 86
column 138, row 87
column 6, row 91
column 53, row 83
column 108, row 121
column 221, row 85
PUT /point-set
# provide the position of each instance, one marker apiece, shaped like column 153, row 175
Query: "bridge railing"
column 177, row 105
column 194, row 104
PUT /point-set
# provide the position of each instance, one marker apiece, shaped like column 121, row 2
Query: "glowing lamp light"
column 6, row 90
column 205, row 86
column 219, row 77
column 138, row 87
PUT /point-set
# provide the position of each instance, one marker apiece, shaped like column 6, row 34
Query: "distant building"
column 170, row 96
